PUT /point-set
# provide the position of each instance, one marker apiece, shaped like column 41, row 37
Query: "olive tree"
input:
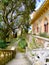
column 15, row 15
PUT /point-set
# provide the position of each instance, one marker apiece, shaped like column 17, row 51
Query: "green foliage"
column 20, row 49
column 2, row 44
column 15, row 15
column 0, row 18
column 1, row 35
column 5, row 32
column 5, row 2
column 22, row 43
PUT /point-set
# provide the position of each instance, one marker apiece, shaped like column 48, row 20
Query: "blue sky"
column 39, row 3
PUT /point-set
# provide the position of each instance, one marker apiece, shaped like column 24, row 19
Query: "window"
column 37, row 29
column 46, row 26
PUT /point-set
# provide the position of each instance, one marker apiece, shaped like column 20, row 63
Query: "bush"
column 3, row 44
column 20, row 49
column 22, row 43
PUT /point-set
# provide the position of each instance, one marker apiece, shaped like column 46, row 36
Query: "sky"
column 38, row 4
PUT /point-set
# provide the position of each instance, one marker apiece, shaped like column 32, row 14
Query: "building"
column 40, row 19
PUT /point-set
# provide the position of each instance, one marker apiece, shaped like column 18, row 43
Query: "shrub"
column 20, row 49
column 2, row 44
column 22, row 43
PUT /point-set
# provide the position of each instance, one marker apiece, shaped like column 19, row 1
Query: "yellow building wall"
column 40, row 23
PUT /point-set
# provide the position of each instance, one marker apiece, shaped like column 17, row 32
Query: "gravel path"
column 20, row 59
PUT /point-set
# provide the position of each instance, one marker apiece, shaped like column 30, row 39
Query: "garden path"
column 19, row 59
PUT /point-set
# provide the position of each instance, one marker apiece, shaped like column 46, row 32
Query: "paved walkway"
column 20, row 59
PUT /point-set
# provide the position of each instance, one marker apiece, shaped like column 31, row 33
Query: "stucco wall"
column 40, row 23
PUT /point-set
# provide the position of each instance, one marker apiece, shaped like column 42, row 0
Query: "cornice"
column 44, row 7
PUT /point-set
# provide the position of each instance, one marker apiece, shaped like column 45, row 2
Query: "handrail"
column 39, row 37
column 42, row 38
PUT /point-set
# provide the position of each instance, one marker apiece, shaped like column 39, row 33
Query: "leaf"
column 5, row 2
column 0, row 18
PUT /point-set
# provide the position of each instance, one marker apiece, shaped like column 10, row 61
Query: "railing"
column 30, row 53
column 41, row 42
column 6, row 56
column 42, row 38
column 38, row 38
